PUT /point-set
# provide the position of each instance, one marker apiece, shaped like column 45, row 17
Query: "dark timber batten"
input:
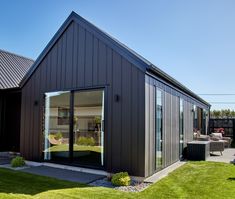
column 88, row 63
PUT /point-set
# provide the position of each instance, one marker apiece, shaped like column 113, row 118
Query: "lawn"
column 193, row 180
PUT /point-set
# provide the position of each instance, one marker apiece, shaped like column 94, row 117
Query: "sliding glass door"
column 56, row 126
column 74, row 127
column 88, row 128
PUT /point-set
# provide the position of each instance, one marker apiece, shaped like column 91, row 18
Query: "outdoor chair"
column 217, row 146
column 219, row 137
column 203, row 138
column 217, row 142
column 53, row 141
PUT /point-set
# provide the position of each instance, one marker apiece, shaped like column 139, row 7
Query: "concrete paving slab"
column 4, row 161
column 63, row 174
column 163, row 173
column 227, row 157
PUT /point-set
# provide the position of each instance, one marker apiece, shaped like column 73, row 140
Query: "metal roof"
column 12, row 69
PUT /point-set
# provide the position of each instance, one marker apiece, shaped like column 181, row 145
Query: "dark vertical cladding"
column 170, row 122
column 80, row 59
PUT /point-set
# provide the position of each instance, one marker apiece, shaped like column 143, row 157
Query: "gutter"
column 155, row 70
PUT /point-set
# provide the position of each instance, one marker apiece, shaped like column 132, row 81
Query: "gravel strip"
column 134, row 187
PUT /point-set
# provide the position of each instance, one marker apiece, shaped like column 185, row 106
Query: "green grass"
column 193, row 180
column 65, row 147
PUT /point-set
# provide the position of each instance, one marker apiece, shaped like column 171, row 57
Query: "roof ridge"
column 5, row 51
column 134, row 58
column 123, row 45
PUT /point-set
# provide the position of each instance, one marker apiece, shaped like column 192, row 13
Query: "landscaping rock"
column 134, row 187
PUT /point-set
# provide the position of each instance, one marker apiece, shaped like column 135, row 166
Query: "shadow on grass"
column 29, row 184
column 231, row 179
column 215, row 154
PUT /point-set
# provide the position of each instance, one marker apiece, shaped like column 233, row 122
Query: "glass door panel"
column 181, row 128
column 88, row 133
column 195, row 122
column 158, row 133
column 56, row 126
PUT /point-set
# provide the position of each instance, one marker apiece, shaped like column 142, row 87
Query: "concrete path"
column 163, row 173
column 4, row 161
column 63, row 174
column 227, row 157
column 5, row 158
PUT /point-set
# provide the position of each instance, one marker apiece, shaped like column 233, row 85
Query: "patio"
column 227, row 157
column 63, row 174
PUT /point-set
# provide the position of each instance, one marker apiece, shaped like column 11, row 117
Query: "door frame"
column 70, row 162
column 162, row 130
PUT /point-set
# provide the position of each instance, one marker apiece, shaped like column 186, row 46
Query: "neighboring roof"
column 122, row 49
column 12, row 69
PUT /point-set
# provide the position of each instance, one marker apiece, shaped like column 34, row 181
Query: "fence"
column 227, row 124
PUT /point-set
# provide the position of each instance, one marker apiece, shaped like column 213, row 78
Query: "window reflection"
column 158, row 133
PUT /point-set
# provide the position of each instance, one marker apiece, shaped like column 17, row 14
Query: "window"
column 56, row 129
column 63, row 116
column 74, row 127
column 195, row 122
column 88, row 128
column 181, row 127
column 158, row 130
column 204, row 121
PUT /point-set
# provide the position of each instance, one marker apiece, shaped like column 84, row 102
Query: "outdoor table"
column 198, row 150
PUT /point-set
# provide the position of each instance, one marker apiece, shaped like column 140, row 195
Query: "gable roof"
column 139, row 61
column 12, row 69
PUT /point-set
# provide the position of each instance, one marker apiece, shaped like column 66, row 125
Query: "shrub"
column 86, row 141
column 58, row 136
column 121, row 179
column 17, row 162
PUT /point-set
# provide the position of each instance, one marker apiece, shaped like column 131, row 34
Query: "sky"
column 193, row 41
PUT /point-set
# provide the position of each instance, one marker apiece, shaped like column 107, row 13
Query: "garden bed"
column 133, row 187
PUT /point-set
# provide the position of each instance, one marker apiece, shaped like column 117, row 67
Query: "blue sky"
column 193, row 41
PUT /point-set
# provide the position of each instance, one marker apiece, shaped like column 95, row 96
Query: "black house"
column 90, row 101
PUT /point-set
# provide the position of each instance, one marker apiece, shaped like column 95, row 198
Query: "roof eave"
column 132, row 56
column 159, row 72
column 10, row 89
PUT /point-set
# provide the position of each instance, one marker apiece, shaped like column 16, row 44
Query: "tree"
column 223, row 113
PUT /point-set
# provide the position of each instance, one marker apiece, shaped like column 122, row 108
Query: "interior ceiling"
column 81, row 99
